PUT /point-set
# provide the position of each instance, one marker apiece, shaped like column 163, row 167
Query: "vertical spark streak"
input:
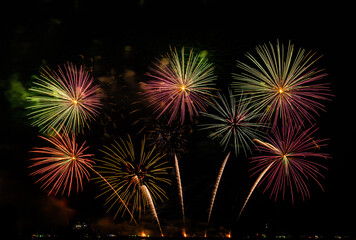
column 254, row 186
column 147, row 194
column 179, row 182
column 216, row 188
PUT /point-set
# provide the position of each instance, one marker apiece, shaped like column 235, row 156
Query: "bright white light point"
column 75, row 101
column 281, row 90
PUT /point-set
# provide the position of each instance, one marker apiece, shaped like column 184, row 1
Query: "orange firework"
column 65, row 165
column 62, row 165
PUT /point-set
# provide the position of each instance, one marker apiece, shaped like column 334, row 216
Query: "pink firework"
column 180, row 85
column 63, row 165
column 290, row 158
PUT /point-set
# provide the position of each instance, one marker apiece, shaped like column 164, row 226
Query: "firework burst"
column 282, row 84
column 232, row 122
column 180, row 85
column 170, row 139
column 289, row 157
column 127, row 171
column 66, row 97
column 63, row 165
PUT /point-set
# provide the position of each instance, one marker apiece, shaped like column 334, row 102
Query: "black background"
column 53, row 32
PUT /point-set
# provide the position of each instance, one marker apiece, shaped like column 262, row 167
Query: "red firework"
column 290, row 156
column 63, row 165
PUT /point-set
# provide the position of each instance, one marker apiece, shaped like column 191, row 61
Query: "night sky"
column 120, row 41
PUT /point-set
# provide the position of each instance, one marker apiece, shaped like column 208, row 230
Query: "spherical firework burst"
column 282, row 84
column 233, row 122
column 66, row 97
column 180, row 84
column 170, row 139
column 63, row 165
column 129, row 172
column 290, row 159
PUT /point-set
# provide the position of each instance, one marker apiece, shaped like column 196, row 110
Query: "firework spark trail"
column 254, row 186
column 147, row 194
column 122, row 201
column 180, row 189
column 268, row 145
column 273, row 148
column 216, row 188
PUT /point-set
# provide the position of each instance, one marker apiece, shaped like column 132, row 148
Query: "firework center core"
column 75, row 101
column 285, row 159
